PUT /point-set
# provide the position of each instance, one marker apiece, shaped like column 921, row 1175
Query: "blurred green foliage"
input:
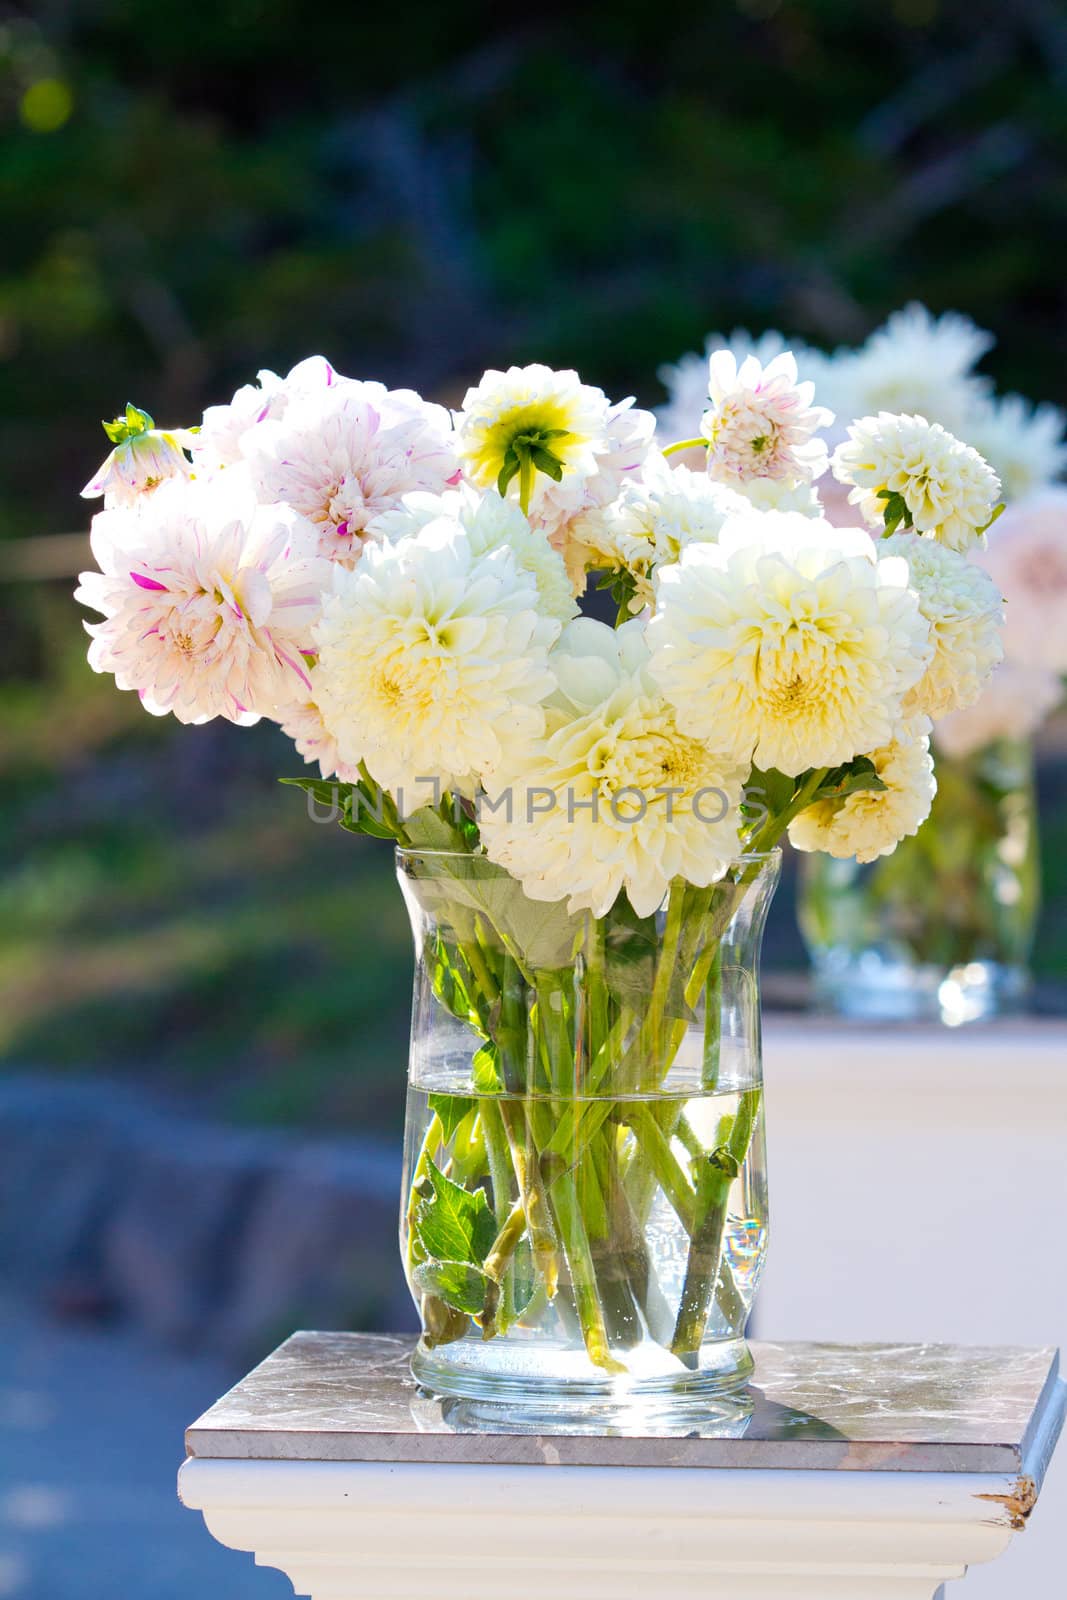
column 190, row 194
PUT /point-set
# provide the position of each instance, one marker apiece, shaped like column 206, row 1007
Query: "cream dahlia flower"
column 662, row 511
column 949, row 491
column 1013, row 705
column 1027, row 561
column 217, row 442
column 963, row 608
column 431, row 660
column 872, row 822
column 762, row 422
column 144, row 457
column 776, row 494
column 489, row 523
column 208, row 602
column 346, row 453
column 1025, row 444
column 613, row 796
column 788, row 641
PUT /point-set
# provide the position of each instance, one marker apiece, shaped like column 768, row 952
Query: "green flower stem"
column 656, row 1148
column 527, row 473
column 534, row 1196
column 772, row 830
column 728, row 1296
column 498, row 1155
column 685, row 444
column 709, row 1076
column 582, row 1273
column 609, row 1251
column 666, row 968
column 505, row 1244
column 705, row 1251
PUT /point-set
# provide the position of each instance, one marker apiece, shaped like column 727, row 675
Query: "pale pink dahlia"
column 217, row 443
column 346, row 454
column 762, row 423
column 208, row 602
column 303, row 723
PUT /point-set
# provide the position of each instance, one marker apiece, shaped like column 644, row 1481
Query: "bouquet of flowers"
column 944, row 926
column 583, row 813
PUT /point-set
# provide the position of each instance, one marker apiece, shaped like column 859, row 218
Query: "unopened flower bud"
column 143, row 457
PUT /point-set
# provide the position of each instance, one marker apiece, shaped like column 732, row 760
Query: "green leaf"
column 452, row 1109
column 130, row 425
column 485, row 1074
column 772, row 787
column 427, row 829
column 510, row 469
column 520, row 1282
column 546, row 462
column 997, row 512
column 457, row 1283
column 454, row 1224
column 327, row 791
column 896, row 510
column 858, row 774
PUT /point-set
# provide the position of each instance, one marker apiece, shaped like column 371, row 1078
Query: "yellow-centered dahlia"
column 872, row 822
column 788, row 642
column 613, row 796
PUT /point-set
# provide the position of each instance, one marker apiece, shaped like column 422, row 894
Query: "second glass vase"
column 941, row 929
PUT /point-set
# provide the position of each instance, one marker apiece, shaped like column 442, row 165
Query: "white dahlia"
column 1013, row 705
column 346, row 453
column 1024, row 443
column 208, row 602
column 963, row 607
column 662, row 511
column 872, row 822
column 948, row 490
column 489, row 523
column 762, row 423
column 143, row 457
column 613, row 796
column 217, row 442
column 777, row 494
column 1027, row 561
column 431, row 660
column 788, row 641
column 915, row 362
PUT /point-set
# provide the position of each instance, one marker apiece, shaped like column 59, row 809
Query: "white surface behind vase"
column 918, row 1184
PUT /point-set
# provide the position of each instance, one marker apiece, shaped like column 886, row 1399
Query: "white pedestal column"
column 401, row 1531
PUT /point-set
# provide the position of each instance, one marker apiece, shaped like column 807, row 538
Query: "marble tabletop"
column 910, row 1408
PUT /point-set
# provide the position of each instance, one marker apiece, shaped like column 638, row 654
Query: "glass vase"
column 584, row 1215
column 941, row 930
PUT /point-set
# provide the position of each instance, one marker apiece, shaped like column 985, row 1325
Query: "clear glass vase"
column 941, row 930
column 584, row 1215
